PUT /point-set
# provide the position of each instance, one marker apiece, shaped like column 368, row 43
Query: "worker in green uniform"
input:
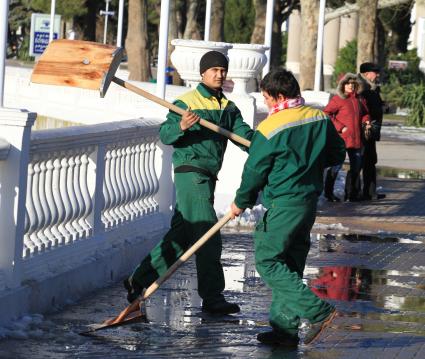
column 288, row 153
column 197, row 158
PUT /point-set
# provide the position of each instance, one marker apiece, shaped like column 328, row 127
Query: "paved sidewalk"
column 402, row 211
column 377, row 282
column 371, row 266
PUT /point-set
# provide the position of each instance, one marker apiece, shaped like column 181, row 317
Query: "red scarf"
column 288, row 103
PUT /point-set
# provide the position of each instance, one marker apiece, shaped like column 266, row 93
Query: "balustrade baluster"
column 49, row 206
column 155, row 182
column 107, row 190
column 38, row 235
column 63, row 192
column 150, row 186
column 79, row 210
column 30, row 241
column 141, row 189
column 56, row 188
column 115, row 189
column 134, row 183
column 143, row 156
column 86, row 199
column 124, row 180
column 129, row 180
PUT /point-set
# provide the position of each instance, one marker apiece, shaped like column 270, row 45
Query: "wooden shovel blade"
column 82, row 64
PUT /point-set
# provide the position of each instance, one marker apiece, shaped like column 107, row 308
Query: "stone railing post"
column 15, row 127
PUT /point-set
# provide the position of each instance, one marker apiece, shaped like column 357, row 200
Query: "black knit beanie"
column 212, row 59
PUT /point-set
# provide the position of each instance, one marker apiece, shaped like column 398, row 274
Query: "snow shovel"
column 91, row 65
column 127, row 315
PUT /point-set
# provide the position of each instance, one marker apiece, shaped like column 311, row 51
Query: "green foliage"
column 66, row 8
column 346, row 61
column 414, row 98
column 239, row 16
column 396, row 81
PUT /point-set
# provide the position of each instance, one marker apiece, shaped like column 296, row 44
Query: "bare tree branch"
column 349, row 8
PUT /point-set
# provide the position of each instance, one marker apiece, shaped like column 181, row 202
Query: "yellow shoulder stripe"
column 292, row 117
column 198, row 102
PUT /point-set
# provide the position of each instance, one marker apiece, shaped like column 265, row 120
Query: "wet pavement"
column 367, row 258
column 376, row 282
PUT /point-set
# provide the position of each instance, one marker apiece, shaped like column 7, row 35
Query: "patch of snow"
column 408, row 133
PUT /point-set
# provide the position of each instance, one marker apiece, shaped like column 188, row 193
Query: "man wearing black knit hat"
column 197, row 158
column 370, row 91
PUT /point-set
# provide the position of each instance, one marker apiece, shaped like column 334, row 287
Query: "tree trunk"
column 192, row 30
column 89, row 28
column 257, row 36
column 217, row 20
column 366, row 32
column 173, row 33
column 380, row 43
column 276, row 50
column 308, row 46
column 136, row 42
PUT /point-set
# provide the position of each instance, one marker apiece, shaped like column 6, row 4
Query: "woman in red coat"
column 348, row 113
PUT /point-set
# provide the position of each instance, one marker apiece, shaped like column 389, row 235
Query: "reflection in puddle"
column 374, row 300
column 400, row 173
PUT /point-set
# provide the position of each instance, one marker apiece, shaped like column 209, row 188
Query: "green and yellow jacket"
column 288, row 153
column 199, row 146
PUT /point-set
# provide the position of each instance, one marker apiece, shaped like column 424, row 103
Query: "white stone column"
column 268, row 34
column 162, row 48
column 348, row 28
column 293, row 51
column 15, row 127
column 330, row 50
column 4, row 11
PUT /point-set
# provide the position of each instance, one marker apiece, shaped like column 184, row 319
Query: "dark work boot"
column 276, row 338
column 222, row 308
column 352, row 187
column 330, row 179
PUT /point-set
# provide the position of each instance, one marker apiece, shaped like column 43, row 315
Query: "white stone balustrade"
column 62, row 174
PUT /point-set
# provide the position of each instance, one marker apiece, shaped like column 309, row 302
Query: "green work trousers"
column 194, row 215
column 282, row 242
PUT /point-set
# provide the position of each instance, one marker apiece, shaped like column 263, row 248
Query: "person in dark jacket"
column 349, row 113
column 197, row 159
column 370, row 91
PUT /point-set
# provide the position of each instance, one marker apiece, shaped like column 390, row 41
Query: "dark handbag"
column 367, row 132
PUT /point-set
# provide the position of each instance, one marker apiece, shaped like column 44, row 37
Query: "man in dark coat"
column 369, row 90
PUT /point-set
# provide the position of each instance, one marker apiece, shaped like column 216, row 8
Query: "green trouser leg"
column 194, row 215
column 282, row 242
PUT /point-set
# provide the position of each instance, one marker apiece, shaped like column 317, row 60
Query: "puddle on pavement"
column 371, row 300
column 400, row 173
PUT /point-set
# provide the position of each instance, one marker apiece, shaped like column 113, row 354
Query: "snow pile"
column 250, row 217
column 407, row 133
column 28, row 326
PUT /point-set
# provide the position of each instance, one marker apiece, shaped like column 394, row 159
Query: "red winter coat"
column 348, row 111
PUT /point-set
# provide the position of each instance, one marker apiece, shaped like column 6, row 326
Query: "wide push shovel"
column 135, row 311
column 91, row 65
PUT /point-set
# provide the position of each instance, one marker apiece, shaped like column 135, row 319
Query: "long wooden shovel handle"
column 186, row 255
column 180, row 111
